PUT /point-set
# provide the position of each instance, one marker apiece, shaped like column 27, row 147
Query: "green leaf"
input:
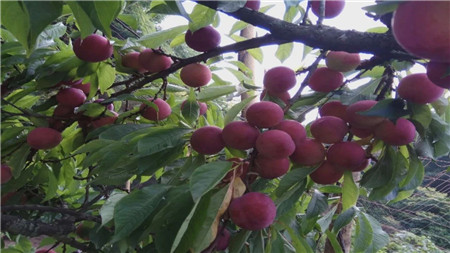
column 18, row 160
column 92, row 109
column 206, row 177
column 387, row 108
column 117, row 132
column 212, row 92
column 107, row 209
column 332, row 237
column 156, row 39
column 290, row 198
column 161, row 138
column 106, row 75
column 325, row 221
column 317, row 205
column 350, row 191
column 255, row 52
column 236, row 109
column 299, row 242
column 380, row 238
column 421, row 116
column 107, row 11
column 52, row 185
column 230, row 6
column 198, row 234
column 382, row 7
column 294, row 176
column 284, row 51
column 416, row 172
column 201, row 16
column 133, row 209
column 344, row 219
column 363, row 232
column 191, row 108
column 237, row 241
column 130, row 20
column 82, row 18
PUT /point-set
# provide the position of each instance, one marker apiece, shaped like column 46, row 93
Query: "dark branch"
column 17, row 225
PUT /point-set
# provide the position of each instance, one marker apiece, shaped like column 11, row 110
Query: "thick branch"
column 17, row 225
column 320, row 36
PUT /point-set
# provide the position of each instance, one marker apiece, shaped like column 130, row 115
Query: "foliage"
column 138, row 183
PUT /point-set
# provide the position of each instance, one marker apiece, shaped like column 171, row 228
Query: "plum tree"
column 294, row 128
column 151, row 113
column 43, row 138
column 421, row 28
column 207, row 140
column 271, row 168
column 252, row 211
column 195, row 75
column 240, row 135
column 361, row 121
column 400, row 133
column 329, row 129
column 93, row 48
column 5, row 174
column 71, row 97
column 279, row 79
column 342, row 61
column 325, row 80
column 275, row 144
column 438, row 73
column 326, row 173
column 204, row 39
column 308, row 153
column 153, row 62
column 346, row 155
column 273, row 114
column 418, row 89
column 332, row 7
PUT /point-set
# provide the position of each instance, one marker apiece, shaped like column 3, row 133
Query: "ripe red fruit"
column 439, row 73
column 71, row 97
column 6, row 174
column 204, row 39
column 154, row 62
column 271, row 168
column 332, row 7
column 150, row 113
column 252, row 211
column 333, row 108
column 361, row 133
column 325, row 80
column 93, row 48
column 346, row 155
column 326, row 173
column 43, row 138
column 418, row 89
column 342, row 61
column 63, row 111
column 252, row 4
column 106, row 120
column 131, row 60
column 223, row 238
column 421, row 28
column 360, row 121
column 85, row 87
column 275, row 144
column 294, row 128
column 308, row 153
column 264, row 114
column 283, row 96
column 402, row 133
column 329, row 129
column 195, row 75
column 207, row 140
column 239, row 135
column 279, row 79
column 109, row 106
column 203, row 107
column 362, row 166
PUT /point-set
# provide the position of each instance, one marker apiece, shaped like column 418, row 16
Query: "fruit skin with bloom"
column 6, row 174
column 154, row 62
column 264, row 114
column 308, row 153
column 204, row 39
column 105, row 120
column 418, row 89
column 275, row 144
column 207, row 140
column 439, row 73
column 252, row 211
column 294, row 128
column 223, row 238
column 279, row 79
column 401, row 133
column 253, row 4
column 361, row 121
column 329, row 129
column 346, row 155
column 332, row 8
column 131, row 60
column 342, row 61
column 240, row 135
column 195, row 75
column 333, row 108
column 93, row 48
column 326, row 173
column 71, row 97
column 422, row 29
column 150, row 113
column 271, row 168
column 43, row 138
column 325, row 80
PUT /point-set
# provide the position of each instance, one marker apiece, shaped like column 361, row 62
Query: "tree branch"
column 18, row 225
